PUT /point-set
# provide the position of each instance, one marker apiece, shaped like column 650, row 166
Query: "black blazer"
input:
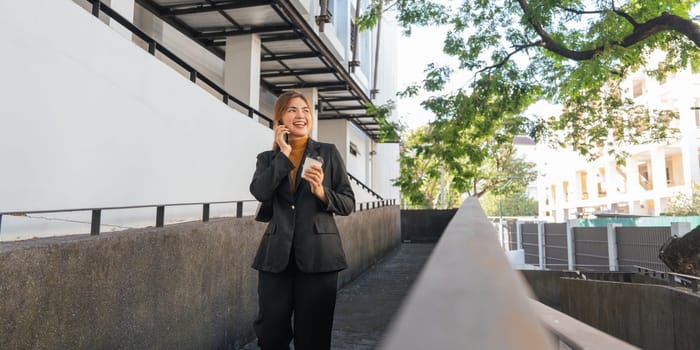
column 302, row 221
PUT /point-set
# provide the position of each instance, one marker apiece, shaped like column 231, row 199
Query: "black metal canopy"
column 293, row 56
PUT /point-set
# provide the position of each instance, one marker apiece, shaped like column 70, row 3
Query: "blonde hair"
column 281, row 106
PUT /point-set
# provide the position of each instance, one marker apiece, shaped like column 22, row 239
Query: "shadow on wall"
column 424, row 226
column 628, row 306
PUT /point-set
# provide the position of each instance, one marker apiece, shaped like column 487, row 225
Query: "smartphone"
column 308, row 162
column 286, row 138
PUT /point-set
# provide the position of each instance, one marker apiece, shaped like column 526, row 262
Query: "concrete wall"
column 545, row 285
column 467, row 295
column 368, row 236
column 424, row 225
column 184, row 286
column 648, row 316
column 91, row 120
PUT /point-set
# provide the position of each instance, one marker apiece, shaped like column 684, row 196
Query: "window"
column 643, row 170
column 601, row 182
column 364, row 47
column 638, row 87
column 365, row 52
column 353, row 149
column 331, row 8
column 583, row 184
column 554, row 193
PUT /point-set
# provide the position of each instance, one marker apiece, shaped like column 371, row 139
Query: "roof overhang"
column 293, row 56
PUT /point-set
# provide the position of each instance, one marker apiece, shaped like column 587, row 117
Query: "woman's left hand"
column 314, row 176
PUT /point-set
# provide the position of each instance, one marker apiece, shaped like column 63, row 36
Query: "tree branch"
column 505, row 60
column 627, row 17
column 581, row 12
column 665, row 22
column 641, row 31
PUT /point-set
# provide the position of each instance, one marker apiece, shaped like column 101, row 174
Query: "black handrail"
column 375, row 204
column 160, row 211
column 153, row 46
column 687, row 281
column 365, row 186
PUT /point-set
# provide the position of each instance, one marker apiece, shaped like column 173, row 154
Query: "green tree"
column 437, row 174
column 685, row 205
column 571, row 52
column 423, row 179
column 514, row 204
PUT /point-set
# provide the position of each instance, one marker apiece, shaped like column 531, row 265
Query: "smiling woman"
column 300, row 252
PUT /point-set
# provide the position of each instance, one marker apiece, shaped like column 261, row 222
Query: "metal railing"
column 153, row 46
column 365, row 187
column 96, row 218
column 375, row 204
column 671, row 278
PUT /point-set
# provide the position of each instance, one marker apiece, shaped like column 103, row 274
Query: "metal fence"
column 640, row 246
column 614, row 247
column 591, row 248
column 512, row 235
column 530, row 243
column 555, row 251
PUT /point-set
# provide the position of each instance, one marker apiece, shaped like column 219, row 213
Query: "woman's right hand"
column 280, row 132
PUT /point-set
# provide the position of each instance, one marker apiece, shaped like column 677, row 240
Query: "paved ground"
column 366, row 306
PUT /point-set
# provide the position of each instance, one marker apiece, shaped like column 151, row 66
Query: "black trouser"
column 309, row 296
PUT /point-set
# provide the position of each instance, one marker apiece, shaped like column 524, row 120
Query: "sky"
column 424, row 46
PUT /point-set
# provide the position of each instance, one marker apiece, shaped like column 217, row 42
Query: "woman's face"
column 297, row 118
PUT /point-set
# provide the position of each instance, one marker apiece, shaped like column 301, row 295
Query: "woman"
column 300, row 253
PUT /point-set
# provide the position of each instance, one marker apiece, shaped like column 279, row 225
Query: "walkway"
column 366, row 306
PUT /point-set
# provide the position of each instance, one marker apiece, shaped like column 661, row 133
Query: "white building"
column 526, row 149
column 96, row 114
column 569, row 186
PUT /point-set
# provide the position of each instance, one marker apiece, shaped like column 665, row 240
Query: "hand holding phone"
column 282, row 139
column 308, row 162
column 314, row 176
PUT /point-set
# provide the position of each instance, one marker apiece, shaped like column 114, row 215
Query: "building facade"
column 133, row 102
column 651, row 175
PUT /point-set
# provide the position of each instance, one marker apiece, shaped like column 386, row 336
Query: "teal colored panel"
column 655, row 221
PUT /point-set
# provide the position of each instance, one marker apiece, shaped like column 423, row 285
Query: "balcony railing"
column 96, row 217
column 153, row 47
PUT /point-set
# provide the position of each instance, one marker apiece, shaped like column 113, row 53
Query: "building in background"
column 133, row 102
column 571, row 187
column 526, row 149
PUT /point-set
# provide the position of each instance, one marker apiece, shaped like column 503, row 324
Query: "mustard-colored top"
column 298, row 147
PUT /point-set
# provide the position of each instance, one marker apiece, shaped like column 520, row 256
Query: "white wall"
column 386, row 169
column 335, row 132
column 341, row 132
column 357, row 165
column 203, row 60
column 91, row 120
